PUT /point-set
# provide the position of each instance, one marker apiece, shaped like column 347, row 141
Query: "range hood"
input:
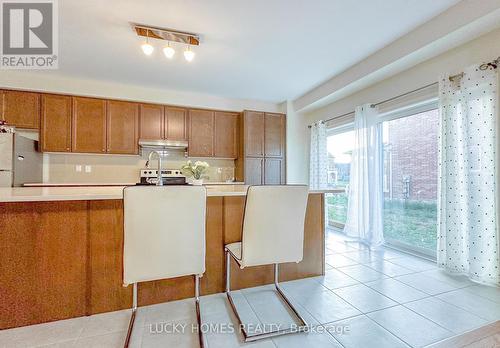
column 161, row 144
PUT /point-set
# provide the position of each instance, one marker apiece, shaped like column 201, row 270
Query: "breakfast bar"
column 61, row 252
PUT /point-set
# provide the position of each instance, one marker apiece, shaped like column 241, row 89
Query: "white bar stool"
column 273, row 233
column 164, row 237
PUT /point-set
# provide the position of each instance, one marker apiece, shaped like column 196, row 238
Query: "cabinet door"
column 254, row 171
column 122, row 127
column 89, row 125
column 55, row 133
column 201, row 133
column 151, row 121
column 254, row 133
column 226, row 135
column 176, row 123
column 274, row 171
column 21, row 109
column 274, row 135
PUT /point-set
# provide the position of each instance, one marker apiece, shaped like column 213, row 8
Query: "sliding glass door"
column 340, row 143
column 410, row 181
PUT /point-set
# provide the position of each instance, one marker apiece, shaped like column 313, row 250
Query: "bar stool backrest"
column 273, row 224
column 164, row 232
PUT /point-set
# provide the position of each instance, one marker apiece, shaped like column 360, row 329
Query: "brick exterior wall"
column 413, row 145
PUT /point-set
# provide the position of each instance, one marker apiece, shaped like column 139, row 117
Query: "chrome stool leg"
column 132, row 318
column 249, row 337
column 198, row 313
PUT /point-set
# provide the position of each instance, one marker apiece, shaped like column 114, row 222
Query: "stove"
column 169, row 177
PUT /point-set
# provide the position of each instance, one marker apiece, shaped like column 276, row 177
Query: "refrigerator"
column 20, row 161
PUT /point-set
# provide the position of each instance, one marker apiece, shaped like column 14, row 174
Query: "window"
column 410, row 181
column 340, row 143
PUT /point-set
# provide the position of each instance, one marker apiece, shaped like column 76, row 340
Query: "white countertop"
column 86, row 184
column 37, row 194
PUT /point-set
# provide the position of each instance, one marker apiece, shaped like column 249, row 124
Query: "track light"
column 189, row 54
column 168, row 35
column 147, row 48
column 168, row 51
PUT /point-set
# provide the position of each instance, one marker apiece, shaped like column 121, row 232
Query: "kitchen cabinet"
column 43, row 253
column 273, row 171
column 122, row 127
column 264, row 139
column 274, row 139
column 55, row 130
column 176, row 123
column 151, row 121
column 21, row 109
column 201, row 133
column 254, row 171
column 89, row 125
column 226, row 135
column 254, row 133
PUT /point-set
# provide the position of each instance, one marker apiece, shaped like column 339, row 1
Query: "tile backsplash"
column 86, row 168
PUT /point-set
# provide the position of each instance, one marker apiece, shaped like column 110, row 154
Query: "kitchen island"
column 61, row 252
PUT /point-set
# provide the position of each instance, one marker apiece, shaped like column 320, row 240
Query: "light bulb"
column 168, row 51
column 147, row 48
column 188, row 54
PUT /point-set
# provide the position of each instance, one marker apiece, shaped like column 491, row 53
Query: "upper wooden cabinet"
column 55, row 132
column 151, row 121
column 274, row 142
column 20, row 109
column 226, row 135
column 254, row 133
column 122, row 127
column 89, row 125
column 176, row 123
column 201, row 133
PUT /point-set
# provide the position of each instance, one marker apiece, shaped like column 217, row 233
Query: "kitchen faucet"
column 159, row 181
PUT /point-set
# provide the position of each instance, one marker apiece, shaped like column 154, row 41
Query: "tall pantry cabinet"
column 263, row 149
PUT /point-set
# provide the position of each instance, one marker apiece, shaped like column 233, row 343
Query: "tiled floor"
column 378, row 298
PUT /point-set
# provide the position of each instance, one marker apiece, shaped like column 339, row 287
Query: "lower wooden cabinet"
column 20, row 109
column 55, row 130
column 64, row 259
column 274, row 171
column 254, row 171
column 43, row 258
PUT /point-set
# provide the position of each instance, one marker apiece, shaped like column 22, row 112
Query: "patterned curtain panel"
column 365, row 203
column 318, row 166
column 468, row 209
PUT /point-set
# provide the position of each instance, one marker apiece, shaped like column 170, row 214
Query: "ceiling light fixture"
column 189, row 54
column 168, row 51
column 147, row 48
column 168, row 35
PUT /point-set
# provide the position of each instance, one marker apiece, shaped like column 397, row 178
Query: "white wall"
column 50, row 81
column 297, row 163
column 482, row 49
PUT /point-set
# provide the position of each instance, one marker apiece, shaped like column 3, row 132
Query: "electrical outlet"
column 88, row 169
column 78, row 168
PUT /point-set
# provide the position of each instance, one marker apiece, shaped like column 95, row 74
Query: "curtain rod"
column 493, row 64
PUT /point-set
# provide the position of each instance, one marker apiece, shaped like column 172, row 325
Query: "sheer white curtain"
column 468, row 206
column 318, row 159
column 364, row 210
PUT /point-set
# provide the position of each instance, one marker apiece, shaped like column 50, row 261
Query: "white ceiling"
column 269, row 50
